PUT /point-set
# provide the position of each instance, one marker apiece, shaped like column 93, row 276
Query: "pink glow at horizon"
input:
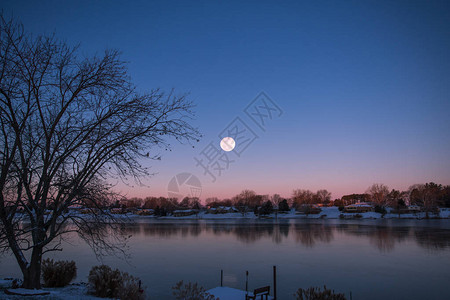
column 228, row 190
column 268, row 169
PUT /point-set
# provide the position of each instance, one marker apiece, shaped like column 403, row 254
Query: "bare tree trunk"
column 32, row 272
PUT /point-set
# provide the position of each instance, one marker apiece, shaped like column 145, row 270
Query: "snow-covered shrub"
column 58, row 273
column 190, row 291
column 315, row 293
column 105, row 282
column 130, row 288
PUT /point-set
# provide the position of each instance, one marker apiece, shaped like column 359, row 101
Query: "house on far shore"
column 414, row 209
column 222, row 210
column 358, row 208
column 184, row 212
column 145, row 212
column 308, row 209
column 117, row 210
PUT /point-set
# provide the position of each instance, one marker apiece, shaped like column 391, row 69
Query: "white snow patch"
column 5, row 283
column 71, row 292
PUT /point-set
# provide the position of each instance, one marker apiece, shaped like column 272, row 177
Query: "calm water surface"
column 372, row 259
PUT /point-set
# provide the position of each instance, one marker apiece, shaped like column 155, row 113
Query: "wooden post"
column 221, row 278
column 274, row 282
column 246, row 282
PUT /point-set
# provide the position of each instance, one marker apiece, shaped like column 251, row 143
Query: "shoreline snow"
column 73, row 291
column 326, row 213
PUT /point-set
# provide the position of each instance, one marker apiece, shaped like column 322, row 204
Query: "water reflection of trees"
column 309, row 234
column 247, row 233
column 384, row 238
column 253, row 232
column 166, row 230
column 436, row 239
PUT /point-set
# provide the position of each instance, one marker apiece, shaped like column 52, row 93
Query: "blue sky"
column 364, row 85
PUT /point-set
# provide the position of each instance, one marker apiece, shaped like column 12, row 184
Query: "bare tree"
column 378, row 193
column 246, row 199
column 426, row 195
column 300, row 197
column 276, row 199
column 323, row 196
column 67, row 124
column 211, row 200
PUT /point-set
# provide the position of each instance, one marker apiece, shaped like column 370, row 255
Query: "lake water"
column 372, row 259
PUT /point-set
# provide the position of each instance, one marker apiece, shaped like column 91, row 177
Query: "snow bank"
column 6, row 283
column 26, row 292
column 71, row 292
column 326, row 213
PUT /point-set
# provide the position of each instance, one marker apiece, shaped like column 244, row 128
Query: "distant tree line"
column 428, row 196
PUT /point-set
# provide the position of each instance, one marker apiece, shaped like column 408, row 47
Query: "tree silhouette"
column 283, row 206
column 66, row 125
column 378, row 194
column 426, row 195
column 301, row 197
column 266, row 208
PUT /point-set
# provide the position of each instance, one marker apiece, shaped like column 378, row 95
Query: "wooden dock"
column 227, row 293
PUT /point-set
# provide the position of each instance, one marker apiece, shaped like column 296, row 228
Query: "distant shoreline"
column 327, row 213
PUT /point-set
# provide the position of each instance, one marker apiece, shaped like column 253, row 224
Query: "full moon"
column 227, row 144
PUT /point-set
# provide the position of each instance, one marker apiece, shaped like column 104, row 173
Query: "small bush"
column 59, row 273
column 105, row 282
column 191, row 292
column 314, row 293
column 130, row 288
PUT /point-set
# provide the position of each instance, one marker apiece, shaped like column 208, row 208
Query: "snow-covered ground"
column 5, row 283
column 326, row 213
column 71, row 292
